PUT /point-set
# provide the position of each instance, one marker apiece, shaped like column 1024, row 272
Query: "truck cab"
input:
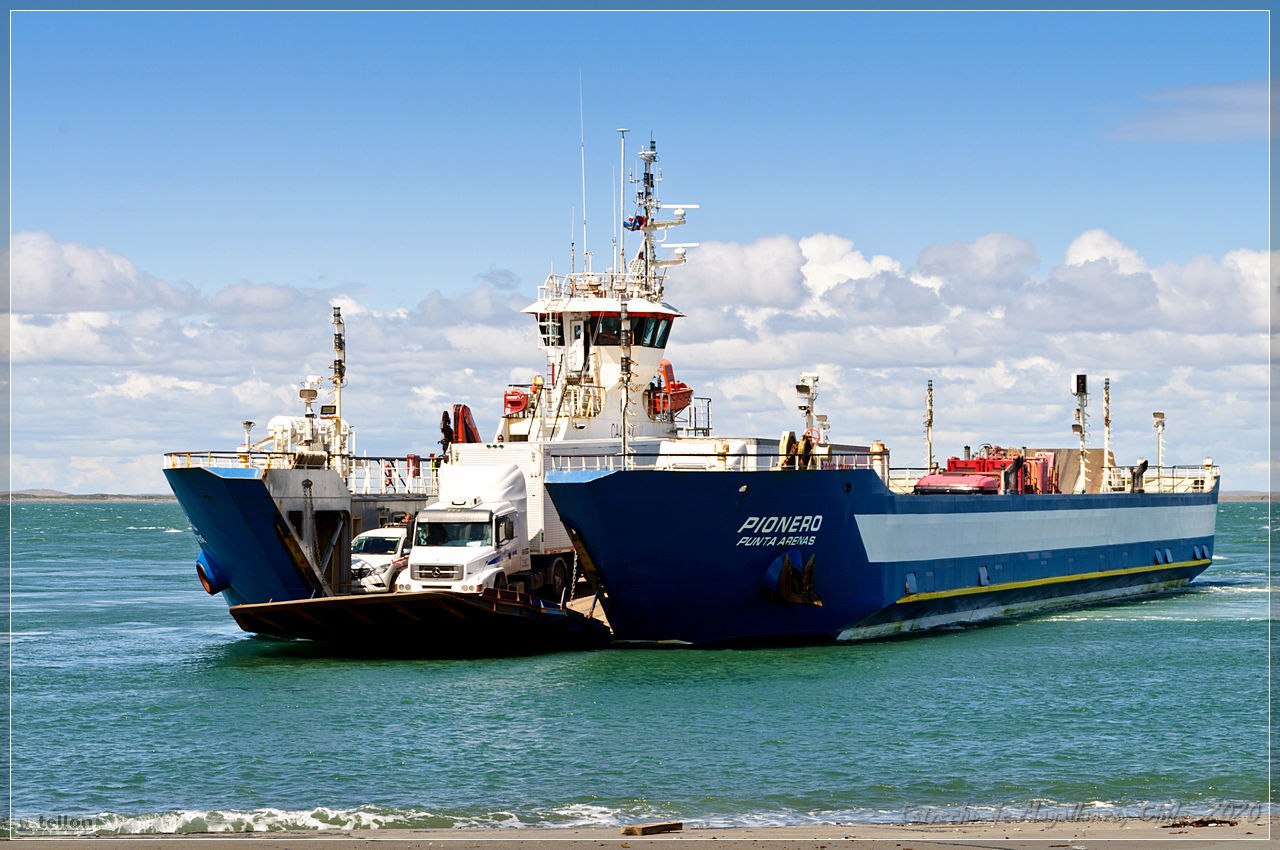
column 474, row 537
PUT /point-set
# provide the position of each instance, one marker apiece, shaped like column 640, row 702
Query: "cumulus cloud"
column 1098, row 244
column 981, row 273
column 63, row 277
column 765, row 273
column 997, row 335
column 832, row 260
column 1093, row 294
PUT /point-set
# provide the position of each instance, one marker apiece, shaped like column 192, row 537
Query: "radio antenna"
column 622, row 191
column 613, row 183
column 582, row 149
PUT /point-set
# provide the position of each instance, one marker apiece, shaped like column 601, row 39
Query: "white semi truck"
column 476, row 536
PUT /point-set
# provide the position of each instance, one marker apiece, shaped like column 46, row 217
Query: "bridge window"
column 550, row 329
column 606, row 330
column 647, row 331
column 660, row 335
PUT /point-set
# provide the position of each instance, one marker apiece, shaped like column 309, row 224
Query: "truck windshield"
column 374, row 545
column 454, row 534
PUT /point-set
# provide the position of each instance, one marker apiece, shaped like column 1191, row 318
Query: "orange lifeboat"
column 671, row 396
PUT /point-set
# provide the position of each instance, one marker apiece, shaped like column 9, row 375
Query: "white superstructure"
column 604, row 335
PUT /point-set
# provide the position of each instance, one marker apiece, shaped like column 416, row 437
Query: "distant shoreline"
column 91, row 497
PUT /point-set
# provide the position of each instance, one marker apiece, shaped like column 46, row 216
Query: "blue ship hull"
column 245, row 545
column 700, row 557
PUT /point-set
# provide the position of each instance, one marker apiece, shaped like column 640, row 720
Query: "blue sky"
column 384, row 157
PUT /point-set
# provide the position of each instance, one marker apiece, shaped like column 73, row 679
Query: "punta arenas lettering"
column 780, row 530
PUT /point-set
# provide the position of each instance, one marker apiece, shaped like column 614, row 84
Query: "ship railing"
column 256, row 459
column 694, row 420
column 1162, row 479
column 369, row 476
column 597, row 285
column 583, row 400
column 728, row 461
column 394, row 476
column 903, row 479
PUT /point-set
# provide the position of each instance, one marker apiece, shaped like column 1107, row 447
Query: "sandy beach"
column 1066, row 835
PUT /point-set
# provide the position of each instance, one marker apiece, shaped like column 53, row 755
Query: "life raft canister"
column 514, row 402
column 211, row 580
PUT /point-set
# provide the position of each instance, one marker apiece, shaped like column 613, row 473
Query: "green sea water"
column 138, row 705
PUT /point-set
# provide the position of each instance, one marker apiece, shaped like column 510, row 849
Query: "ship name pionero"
column 604, row 508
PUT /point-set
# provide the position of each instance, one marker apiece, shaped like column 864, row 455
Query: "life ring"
column 814, row 435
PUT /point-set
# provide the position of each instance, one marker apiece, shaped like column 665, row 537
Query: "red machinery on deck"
column 996, row 470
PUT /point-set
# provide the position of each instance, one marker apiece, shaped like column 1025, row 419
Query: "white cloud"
column 1198, row 294
column 1099, row 245
column 765, row 273
column 1218, row 112
column 980, row 273
column 137, row 386
column 831, row 260
column 64, row 277
column 114, row 388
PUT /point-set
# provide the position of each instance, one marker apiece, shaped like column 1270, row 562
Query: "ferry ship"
column 680, row 534
column 805, row 540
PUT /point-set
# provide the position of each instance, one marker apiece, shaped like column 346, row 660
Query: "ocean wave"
column 1224, row 587
column 587, row 815
column 257, row 820
column 22, row 637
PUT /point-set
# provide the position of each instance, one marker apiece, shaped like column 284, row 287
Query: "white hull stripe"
column 926, row 537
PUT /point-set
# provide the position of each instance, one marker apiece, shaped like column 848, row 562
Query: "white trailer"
column 546, row 533
column 488, row 529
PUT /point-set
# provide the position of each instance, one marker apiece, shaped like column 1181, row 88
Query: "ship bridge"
column 604, row 335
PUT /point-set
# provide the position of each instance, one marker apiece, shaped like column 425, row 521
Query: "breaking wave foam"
column 587, row 815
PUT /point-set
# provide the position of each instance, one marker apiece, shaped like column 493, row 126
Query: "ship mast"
column 1106, row 421
column 340, row 446
column 928, row 428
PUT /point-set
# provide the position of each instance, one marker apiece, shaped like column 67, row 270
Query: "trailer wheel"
column 559, row 579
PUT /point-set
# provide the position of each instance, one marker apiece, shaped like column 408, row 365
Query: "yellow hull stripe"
column 1037, row 582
